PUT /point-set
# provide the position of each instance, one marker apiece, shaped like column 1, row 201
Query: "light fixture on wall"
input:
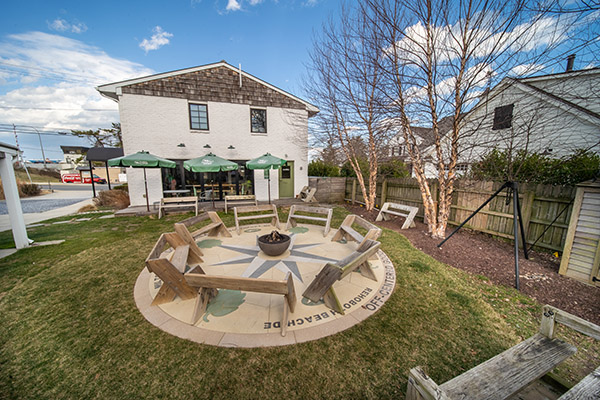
column 207, row 146
column 231, row 147
column 181, row 145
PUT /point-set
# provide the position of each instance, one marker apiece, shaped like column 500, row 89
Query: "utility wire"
column 58, row 109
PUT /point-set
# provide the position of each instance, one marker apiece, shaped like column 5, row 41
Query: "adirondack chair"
column 215, row 228
column 509, row 372
column 347, row 232
column 197, row 284
column 400, row 210
column 272, row 212
column 294, row 216
column 322, row 286
column 307, row 194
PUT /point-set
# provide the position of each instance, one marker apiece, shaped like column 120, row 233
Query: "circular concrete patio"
column 244, row 319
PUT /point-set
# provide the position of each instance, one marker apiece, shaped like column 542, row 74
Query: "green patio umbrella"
column 142, row 159
column 210, row 163
column 267, row 162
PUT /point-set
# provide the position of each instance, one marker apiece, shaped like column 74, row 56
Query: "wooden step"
column 510, row 371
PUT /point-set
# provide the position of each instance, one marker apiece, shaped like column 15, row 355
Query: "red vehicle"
column 76, row 178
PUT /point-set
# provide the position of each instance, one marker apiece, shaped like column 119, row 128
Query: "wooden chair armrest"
column 552, row 315
column 421, row 386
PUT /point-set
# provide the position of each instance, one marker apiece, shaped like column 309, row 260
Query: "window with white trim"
column 198, row 117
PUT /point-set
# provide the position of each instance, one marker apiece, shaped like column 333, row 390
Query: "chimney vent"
column 570, row 62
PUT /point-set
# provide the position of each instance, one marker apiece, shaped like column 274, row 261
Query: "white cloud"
column 79, row 28
column 525, row 69
column 65, row 72
column 310, row 3
column 255, row 2
column 233, row 5
column 61, row 25
column 58, row 25
column 159, row 39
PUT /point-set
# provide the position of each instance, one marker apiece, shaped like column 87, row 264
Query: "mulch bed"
column 481, row 254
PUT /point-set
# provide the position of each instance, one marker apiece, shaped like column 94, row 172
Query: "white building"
column 215, row 108
column 553, row 115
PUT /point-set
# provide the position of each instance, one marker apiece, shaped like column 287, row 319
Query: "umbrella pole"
column 146, row 186
column 269, row 188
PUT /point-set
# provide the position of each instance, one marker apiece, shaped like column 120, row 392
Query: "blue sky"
column 53, row 54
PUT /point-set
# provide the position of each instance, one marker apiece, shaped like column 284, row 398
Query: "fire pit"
column 274, row 243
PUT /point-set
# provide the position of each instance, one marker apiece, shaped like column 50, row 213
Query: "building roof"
column 8, row 148
column 103, row 153
column 77, row 149
column 115, row 89
column 561, row 100
column 526, row 85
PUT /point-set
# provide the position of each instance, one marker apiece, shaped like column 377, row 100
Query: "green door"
column 286, row 180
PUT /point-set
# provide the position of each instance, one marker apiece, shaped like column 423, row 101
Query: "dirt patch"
column 481, row 254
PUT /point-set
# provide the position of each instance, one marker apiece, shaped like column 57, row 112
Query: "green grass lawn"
column 70, row 327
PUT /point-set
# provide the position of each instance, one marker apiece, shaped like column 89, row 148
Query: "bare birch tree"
column 346, row 84
column 440, row 56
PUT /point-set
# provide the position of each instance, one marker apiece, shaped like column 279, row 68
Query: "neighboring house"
column 552, row 114
column 215, row 108
column 424, row 138
column 74, row 155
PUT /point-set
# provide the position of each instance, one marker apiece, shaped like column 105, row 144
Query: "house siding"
column 538, row 125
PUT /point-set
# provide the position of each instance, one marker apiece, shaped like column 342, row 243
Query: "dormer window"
column 503, row 117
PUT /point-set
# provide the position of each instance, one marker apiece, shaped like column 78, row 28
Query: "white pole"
column 13, row 202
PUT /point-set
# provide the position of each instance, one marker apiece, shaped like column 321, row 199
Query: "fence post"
column 526, row 209
column 353, row 190
column 383, row 192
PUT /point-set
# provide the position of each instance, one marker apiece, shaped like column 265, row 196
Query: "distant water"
column 38, row 206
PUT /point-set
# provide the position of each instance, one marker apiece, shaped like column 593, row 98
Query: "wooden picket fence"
column 540, row 205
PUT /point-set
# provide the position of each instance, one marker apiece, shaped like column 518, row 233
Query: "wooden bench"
column 196, row 284
column 322, row 286
column 256, row 209
column 307, row 194
column 295, row 208
column 215, row 228
column 240, row 199
column 169, row 203
column 400, row 210
column 347, row 232
column 509, row 372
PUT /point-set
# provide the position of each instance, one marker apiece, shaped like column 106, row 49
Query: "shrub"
column 498, row 165
column 393, row 169
column 28, row 189
column 122, row 186
column 118, row 199
column 322, row 168
column 25, row 189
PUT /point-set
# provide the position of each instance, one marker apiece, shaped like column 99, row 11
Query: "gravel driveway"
column 40, row 205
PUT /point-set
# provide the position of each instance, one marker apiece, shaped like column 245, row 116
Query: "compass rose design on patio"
column 258, row 266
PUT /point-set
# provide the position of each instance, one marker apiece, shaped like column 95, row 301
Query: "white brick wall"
column 159, row 124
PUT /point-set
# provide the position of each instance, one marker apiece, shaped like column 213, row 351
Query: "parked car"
column 76, row 178
column 97, row 179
